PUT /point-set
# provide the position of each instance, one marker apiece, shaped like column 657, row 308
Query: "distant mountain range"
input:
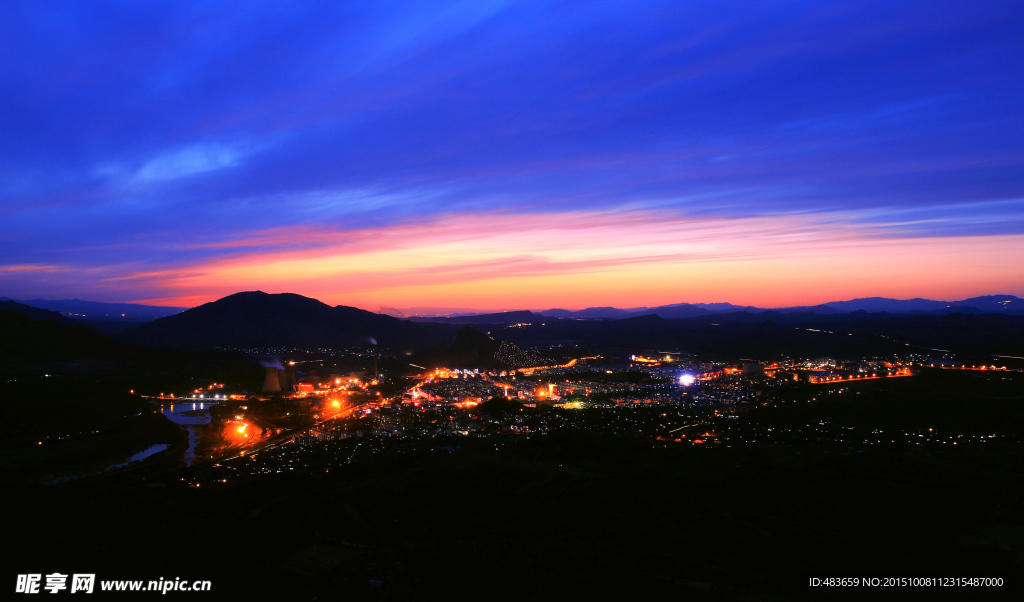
column 505, row 317
column 95, row 310
column 260, row 320
column 1000, row 304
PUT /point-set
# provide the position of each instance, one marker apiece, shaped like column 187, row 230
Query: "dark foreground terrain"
column 574, row 514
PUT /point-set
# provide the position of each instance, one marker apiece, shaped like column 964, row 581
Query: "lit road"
column 286, row 436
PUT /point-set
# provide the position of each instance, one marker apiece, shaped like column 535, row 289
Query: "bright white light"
column 687, row 379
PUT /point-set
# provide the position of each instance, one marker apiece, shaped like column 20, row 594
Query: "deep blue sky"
column 175, row 151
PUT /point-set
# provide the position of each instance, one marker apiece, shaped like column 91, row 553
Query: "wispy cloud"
column 189, row 161
column 30, row 269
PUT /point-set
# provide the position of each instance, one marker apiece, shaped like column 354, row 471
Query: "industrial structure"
column 271, row 382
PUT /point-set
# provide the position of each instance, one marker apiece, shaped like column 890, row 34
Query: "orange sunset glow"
column 502, row 262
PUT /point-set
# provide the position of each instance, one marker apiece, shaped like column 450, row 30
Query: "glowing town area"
column 309, row 416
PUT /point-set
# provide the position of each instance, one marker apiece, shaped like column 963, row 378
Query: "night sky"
column 512, row 155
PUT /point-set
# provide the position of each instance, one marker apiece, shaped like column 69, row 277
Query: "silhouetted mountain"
column 945, row 311
column 468, row 349
column 814, row 309
column 772, row 334
column 727, row 307
column 110, row 328
column 601, row 312
column 505, row 317
column 877, row 304
column 473, row 349
column 1005, row 304
column 470, row 340
column 95, row 310
column 29, row 340
column 34, row 312
column 258, row 319
column 590, row 313
column 679, row 310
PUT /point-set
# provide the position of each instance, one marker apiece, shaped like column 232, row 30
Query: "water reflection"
column 187, row 414
column 142, row 455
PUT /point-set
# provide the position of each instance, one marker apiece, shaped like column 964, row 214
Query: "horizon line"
column 438, row 311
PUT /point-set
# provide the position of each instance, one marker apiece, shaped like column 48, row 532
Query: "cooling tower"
column 282, row 377
column 291, row 376
column 271, row 384
column 312, row 377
